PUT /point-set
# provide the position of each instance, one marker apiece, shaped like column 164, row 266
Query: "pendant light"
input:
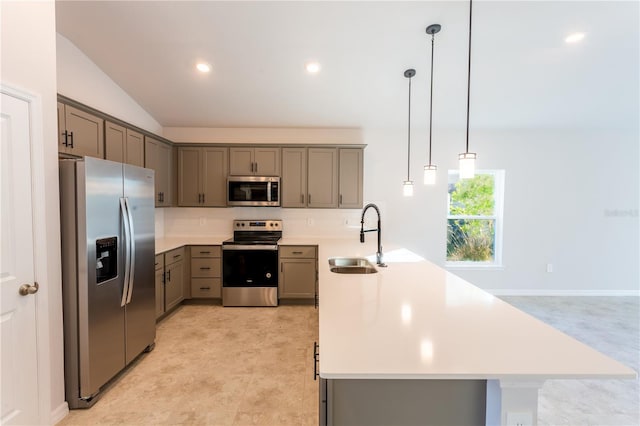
column 407, row 187
column 430, row 169
column 468, row 159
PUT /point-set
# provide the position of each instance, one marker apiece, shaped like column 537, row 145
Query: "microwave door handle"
column 268, row 191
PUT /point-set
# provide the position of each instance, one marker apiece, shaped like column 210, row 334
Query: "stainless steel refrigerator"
column 108, row 248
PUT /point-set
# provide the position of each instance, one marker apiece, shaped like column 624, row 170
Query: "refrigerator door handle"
column 127, row 251
column 132, row 255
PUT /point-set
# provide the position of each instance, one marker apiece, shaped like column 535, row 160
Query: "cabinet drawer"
column 174, row 256
column 159, row 262
column 205, row 251
column 205, row 268
column 306, row 252
column 205, row 288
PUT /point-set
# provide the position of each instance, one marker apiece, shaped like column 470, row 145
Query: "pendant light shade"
column 430, row 169
column 467, row 165
column 468, row 159
column 407, row 187
column 430, row 172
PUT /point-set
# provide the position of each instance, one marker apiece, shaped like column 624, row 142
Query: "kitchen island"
column 415, row 344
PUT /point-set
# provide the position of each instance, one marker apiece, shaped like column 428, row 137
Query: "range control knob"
column 268, row 275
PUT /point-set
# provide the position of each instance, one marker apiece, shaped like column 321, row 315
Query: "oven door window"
column 248, row 191
column 250, row 268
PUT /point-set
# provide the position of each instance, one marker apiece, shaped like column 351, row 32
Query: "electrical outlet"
column 310, row 221
column 549, row 267
column 203, row 221
column 519, row 418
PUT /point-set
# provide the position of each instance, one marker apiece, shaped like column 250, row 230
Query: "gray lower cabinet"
column 402, row 402
column 298, row 272
column 206, row 272
column 159, row 285
column 173, row 278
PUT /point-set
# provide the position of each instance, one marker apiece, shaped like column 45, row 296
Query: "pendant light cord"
column 431, row 99
column 469, row 75
column 409, row 132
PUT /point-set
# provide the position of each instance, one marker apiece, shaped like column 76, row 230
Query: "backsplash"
column 183, row 221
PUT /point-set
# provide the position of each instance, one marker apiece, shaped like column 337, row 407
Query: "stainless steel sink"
column 351, row 265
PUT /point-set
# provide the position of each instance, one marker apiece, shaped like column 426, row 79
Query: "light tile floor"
column 608, row 324
column 244, row 366
column 219, row 366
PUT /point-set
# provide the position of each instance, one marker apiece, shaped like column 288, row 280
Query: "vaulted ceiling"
column 524, row 74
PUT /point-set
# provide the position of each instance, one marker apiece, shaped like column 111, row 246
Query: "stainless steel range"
column 250, row 264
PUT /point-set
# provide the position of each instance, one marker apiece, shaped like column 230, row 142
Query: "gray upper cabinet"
column 79, row 133
column 248, row 161
column 202, row 176
column 123, row 145
column 350, row 178
column 159, row 156
column 322, row 182
column 294, row 177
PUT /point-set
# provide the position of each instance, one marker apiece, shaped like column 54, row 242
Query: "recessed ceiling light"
column 574, row 38
column 202, row 67
column 312, row 67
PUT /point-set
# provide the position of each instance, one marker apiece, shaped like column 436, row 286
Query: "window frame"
column 498, row 217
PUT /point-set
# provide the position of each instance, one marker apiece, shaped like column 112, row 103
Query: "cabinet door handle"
column 203, row 198
column 296, row 252
column 256, row 167
column 309, row 198
column 301, row 198
column 71, row 137
column 65, row 134
column 204, row 268
column 316, row 352
column 168, row 275
column 340, row 198
column 205, row 252
column 164, row 278
column 205, row 288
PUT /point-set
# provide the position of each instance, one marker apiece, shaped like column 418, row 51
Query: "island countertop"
column 415, row 320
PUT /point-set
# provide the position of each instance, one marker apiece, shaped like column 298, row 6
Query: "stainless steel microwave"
column 262, row 191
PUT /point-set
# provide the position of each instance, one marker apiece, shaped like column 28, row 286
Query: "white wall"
column 571, row 199
column 80, row 79
column 29, row 63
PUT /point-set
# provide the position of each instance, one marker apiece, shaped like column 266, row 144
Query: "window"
column 474, row 219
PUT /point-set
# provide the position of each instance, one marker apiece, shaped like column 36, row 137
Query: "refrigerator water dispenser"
column 106, row 259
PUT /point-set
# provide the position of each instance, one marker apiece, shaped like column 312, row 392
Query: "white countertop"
column 414, row 320
column 166, row 244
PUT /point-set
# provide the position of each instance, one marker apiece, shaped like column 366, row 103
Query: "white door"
column 18, row 312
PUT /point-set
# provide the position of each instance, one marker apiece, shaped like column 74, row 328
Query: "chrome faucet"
column 378, row 229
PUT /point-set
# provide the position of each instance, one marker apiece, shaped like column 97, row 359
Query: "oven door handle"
column 250, row 247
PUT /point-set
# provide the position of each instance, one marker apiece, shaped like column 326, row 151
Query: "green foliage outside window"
column 469, row 238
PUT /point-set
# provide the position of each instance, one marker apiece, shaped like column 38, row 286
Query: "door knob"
column 27, row 289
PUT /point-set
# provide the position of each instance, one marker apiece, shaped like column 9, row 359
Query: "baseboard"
column 538, row 292
column 59, row 413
